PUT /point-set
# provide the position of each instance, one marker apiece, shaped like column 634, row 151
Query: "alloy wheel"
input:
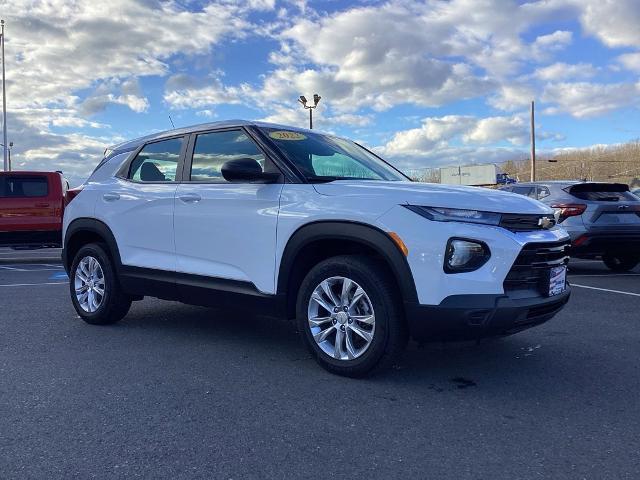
column 341, row 318
column 89, row 284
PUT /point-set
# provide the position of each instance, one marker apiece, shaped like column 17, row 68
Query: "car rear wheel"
column 95, row 291
column 349, row 316
column 621, row 262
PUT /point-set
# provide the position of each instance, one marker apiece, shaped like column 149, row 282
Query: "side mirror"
column 246, row 170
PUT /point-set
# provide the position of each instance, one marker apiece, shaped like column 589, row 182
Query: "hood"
column 435, row 195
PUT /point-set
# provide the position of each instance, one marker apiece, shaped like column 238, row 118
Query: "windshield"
column 323, row 158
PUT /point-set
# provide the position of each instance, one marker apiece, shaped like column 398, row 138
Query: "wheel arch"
column 316, row 241
column 82, row 231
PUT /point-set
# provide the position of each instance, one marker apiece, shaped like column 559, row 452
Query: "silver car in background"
column 603, row 219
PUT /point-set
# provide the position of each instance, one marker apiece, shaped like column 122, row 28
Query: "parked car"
column 31, row 208
column 313, row 227
column 603, row 219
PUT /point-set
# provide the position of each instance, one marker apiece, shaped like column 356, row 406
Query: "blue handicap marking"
column 59, row 276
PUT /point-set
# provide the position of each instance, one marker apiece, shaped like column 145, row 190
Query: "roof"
column 132, row 144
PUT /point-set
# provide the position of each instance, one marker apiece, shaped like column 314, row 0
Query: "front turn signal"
column 399, row 243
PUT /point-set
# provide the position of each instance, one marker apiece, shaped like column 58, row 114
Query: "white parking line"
column 604, row 274
column 606, row 290
column 16, row 269
column 32, row 284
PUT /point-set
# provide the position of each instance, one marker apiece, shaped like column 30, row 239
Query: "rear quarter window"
column 156, row 162
column 601, row 192
column 24, row 186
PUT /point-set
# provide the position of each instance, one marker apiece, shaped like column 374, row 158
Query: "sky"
column 425, row 84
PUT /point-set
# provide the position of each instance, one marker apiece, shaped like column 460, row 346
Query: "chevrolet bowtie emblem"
column 546, row 222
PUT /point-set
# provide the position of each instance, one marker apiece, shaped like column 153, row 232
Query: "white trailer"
column 486, row 174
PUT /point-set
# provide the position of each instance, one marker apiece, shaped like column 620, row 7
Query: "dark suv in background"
column 603, row 219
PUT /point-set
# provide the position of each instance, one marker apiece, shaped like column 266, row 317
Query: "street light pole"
column 10, row 147
column 533, row 143
column 303, row 101
column 4, row 104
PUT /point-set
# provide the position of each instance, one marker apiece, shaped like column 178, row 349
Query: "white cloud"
column 584, row 99
column 562, row 71
column 379, row 56
column 513, row 96
column 456, row 138
column 497, row 129
column 614, row 22
column 58, row 48
column 434, row 132
column 630, row 61
column 553, row 41
column 211, row 92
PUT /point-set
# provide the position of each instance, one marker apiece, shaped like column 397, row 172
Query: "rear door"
column 138, row 205
column 609, row 206
column 26, row 204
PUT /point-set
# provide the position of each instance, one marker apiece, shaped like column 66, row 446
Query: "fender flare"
column 369, row 235
column 80, row 225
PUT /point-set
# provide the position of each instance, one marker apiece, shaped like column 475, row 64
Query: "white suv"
column 313, row 227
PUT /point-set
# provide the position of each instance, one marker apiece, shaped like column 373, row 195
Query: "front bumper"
column 472, row 317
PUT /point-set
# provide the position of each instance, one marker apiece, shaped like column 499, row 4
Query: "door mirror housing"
column 247, row 170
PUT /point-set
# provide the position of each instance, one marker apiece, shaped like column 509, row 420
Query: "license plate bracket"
column 557, row 280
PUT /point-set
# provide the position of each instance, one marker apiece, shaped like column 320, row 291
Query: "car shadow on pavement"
column 517, row 361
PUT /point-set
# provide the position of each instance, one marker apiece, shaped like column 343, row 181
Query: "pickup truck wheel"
column 349, row 316
column 95, row 291
column 621, row 262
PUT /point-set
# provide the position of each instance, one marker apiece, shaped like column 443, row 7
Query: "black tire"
column 390, row 333
column 621, row 262
column 115, row 303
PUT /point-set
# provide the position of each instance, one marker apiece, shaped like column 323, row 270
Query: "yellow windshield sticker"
column 284, row 135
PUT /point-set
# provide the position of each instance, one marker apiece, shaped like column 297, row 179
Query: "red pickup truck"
column 31, row 208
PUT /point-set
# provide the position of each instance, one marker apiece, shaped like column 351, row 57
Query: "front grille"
column 530, row 271
column 525, row 222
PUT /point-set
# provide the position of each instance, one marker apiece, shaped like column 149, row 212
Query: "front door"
column 226, row 230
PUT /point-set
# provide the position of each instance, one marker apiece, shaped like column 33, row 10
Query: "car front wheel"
column 349, row 316
column 95, row 291
column 621, row 262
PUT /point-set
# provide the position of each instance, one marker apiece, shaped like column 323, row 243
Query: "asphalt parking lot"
column 187, row 392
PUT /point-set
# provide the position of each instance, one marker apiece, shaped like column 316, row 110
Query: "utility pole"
column 533, row 143
column 4, row 104
column 303, row 101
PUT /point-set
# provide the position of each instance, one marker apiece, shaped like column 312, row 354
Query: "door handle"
column 42, row 204
column 110, row 197
column 190, row 198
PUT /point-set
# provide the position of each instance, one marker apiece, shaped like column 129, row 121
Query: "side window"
column 543, row 192
column 28, row 186
column 213, row 149
column 526, row 191
column 156, row 162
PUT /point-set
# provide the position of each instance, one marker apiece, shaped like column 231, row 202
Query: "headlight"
column 440, row 214
column 462, row 255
